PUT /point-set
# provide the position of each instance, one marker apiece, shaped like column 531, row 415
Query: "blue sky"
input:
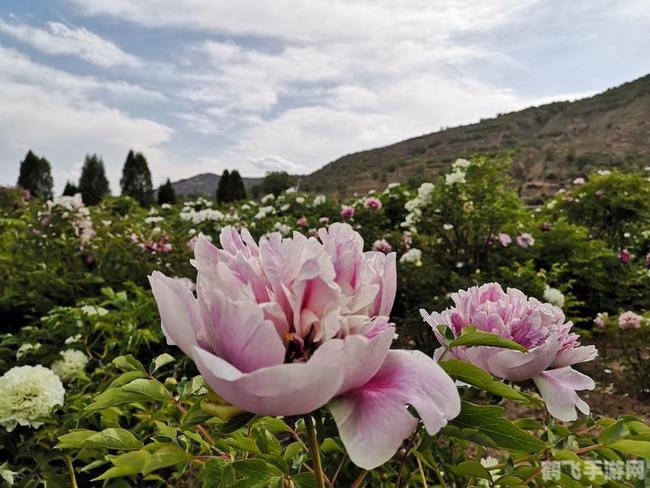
column 205, row 85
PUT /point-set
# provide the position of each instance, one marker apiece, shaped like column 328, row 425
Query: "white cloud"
column 57, row 115
column 60, row 39
column 314, row 20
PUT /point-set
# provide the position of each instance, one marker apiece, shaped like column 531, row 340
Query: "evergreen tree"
column 36, row 176
column 136, row 179
column 166, row 193
column 274, row 182
column 93, row 183
column 237, row 184
column 70, row 189
column 224, row 188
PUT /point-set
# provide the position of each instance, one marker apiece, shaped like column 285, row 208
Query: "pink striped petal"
column 373, row 420
column 558, row 389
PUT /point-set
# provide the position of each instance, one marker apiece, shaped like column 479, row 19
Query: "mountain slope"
column 205, row 184
column 550, row 144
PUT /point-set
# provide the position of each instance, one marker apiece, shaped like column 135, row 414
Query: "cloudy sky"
column 204, row 85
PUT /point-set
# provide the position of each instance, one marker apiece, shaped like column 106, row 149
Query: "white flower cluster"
column 415, row 205
column 81, row 223
column 457, row 176
column 267, row 198
column 199, row 216
column 283, row 229
column 263, row 212
column 319, row 200
column 554, row 296
column 71, row 364
column 413, row 256
column 27, row 395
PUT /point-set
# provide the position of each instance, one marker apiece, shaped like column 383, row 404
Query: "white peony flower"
column 27, row 395
column 554, row 296
column 424, row 192
column 461, row 164
column 454, row 178
column 319, row 200
column 72, row 363
column 413, row 256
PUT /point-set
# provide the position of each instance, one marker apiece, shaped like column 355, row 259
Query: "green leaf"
column 127, row 377
column 237, row 422
column 471, row 336
column 74, row 438
column 126, row 465
column 488, row 421
column 128, row 363
column 304, row 480
column 633, row 447
column 329, row 446
column 508, row 480
column 147, row 389
column 112, row 438
column 195, row 415
column 160, row 361
column 138, row 390
column 165, row 456
column 472, row 468
column 479, row 378
column 256, row 470
column 613, row 432
column 589, row 472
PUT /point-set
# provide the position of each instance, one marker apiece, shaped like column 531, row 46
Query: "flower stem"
column 315, row 451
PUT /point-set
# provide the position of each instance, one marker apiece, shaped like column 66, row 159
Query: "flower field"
column 440, row 335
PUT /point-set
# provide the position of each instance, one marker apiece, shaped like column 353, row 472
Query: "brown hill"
column 550, row 144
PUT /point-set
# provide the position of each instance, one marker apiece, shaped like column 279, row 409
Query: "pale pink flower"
column 525, row 240
column 347, row 212
column 539, row 327
column 382, row 245
column 290, row 325
column 372, row 202
column 505, row 239
column 302, row 222
column 601, row 320
column 579, row 181
column 192, row 242
column 324, row 220
column 629, row 320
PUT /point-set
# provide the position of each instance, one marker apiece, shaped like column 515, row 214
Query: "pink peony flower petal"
column 241, row 335
column 373, row 419
column 558, row 389
column 520, row 366
column 284, row 389
column 179, row 315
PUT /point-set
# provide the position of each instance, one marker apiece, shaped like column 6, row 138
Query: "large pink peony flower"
column 539, row 327
column 291, row 325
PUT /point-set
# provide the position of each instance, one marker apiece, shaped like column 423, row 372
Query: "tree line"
column 36, row 176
